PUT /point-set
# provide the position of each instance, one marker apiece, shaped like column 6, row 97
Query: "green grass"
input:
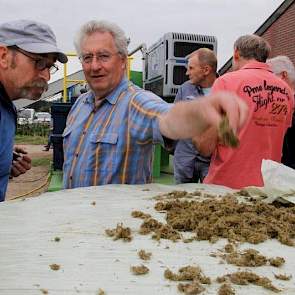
column 29, row 139
column 41, row 162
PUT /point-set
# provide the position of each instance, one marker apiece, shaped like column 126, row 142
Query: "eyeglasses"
column 40, row 63
column 102, row 57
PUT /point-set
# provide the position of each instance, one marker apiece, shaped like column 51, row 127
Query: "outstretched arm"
column 206, row 142
column 191, row 118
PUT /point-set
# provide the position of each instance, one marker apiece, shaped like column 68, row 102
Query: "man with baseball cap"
column 28, row 52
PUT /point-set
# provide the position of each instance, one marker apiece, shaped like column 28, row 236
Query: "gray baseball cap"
column 30, row 36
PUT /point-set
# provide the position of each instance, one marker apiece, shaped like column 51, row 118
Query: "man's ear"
column 3, row 57
column 236, row 55
column 207, row 70
column 124, row 63
column 284, row 75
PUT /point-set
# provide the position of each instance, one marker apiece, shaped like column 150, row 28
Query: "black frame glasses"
column 40, row 63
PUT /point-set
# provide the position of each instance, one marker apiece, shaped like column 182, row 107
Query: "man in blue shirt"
column 111, row 129
column 28, row 53
column 189, row 164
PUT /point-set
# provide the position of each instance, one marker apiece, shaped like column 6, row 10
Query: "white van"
column 25, row 116
column 42, row 117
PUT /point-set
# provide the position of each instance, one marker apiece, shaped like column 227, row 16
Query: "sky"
column 146, row 21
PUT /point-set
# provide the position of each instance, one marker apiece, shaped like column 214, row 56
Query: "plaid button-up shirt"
column 113, row 144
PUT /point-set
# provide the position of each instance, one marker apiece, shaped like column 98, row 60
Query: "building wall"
column 281, row 34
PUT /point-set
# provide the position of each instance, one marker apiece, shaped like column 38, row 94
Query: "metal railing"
column 66, row 80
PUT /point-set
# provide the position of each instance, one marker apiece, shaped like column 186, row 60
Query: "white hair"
column 102, row 26
column 281, row 64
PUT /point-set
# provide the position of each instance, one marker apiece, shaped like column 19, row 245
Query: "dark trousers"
column 200, row 172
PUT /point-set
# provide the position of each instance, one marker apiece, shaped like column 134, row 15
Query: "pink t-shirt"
column 270, row 102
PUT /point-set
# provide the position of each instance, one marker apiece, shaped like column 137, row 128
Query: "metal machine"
column 165, row 61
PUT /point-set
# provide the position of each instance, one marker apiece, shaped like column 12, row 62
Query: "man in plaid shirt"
column 111, row 129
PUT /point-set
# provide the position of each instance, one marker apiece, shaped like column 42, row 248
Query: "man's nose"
column 45, row 74
column 95, row 63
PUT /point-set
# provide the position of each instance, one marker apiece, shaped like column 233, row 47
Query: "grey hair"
column 281, row 64
column 253, row 47
column 93, row 26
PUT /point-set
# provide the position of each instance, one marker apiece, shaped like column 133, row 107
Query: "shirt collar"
column 199, row 88
column 4, row 96
column 6, row 101
column 257, row 65
column 113, row 96
column 196, row 87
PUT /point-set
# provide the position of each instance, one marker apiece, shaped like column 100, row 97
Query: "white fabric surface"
column 90, row 260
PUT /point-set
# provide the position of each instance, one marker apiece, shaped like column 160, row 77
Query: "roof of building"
column 262, row 29
column 22, row 103
column 57, row 86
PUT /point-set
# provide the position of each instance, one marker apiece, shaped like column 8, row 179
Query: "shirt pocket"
column 102, row 156
column 105, row 138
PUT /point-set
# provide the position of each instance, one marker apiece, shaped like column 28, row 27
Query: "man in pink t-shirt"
column 270, row 102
